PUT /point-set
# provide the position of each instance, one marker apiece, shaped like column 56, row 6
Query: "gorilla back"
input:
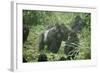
column 52, row 38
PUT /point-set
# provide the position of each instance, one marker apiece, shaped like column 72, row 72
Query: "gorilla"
column 25, row 32
column 52, row 38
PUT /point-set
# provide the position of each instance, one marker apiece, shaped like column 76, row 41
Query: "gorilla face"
column 78, row 23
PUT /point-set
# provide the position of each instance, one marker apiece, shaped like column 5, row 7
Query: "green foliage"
column 39, row 20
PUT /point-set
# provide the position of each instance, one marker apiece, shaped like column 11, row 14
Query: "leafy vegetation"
column 38, row 21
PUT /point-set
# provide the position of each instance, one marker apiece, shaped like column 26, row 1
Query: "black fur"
column 54, row 38
column 77, row 24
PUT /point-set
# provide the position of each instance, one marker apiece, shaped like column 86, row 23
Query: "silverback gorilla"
column 53, row 38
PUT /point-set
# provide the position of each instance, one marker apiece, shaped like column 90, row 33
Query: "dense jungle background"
column 37, row 21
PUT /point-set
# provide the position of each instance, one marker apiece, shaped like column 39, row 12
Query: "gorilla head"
column 53, row 38
column 77, row 24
